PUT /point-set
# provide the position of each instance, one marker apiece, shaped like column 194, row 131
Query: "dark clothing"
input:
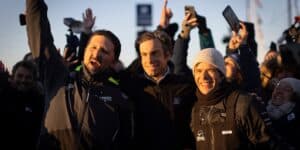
column 232, row 123
column 171, row 30
column 21, row 114
column 180, row 52
column 249, row 69
column 161, row 111
column 286, row 127
column 95, row 116
column 179, row 58
column 89, row 113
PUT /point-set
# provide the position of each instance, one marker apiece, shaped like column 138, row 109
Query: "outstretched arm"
column 40, row 40
column 180, row 52
column 166, row 15
column 38, row 27
column 248, row 64
column 88, row 23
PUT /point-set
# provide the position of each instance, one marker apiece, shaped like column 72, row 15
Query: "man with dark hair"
column 24, row 75
column 23, row 106
column 85, row 110
column 162, row 100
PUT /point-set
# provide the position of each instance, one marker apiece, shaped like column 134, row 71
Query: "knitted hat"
column 211, row 56
column 293, row 82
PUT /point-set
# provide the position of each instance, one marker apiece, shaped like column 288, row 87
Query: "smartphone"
column 22, row 19
column 190, row 9
column 231, row 18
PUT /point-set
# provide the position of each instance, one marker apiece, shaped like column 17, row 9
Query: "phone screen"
column 231, row 18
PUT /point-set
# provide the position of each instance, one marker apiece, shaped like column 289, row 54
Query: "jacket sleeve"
column 84, row 38
column 251, row 123
column 249, row 69
column 40, row 40
column 179, row 57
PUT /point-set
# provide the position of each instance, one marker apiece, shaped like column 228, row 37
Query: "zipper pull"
column 200, row 136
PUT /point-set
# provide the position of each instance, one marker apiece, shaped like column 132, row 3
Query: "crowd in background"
column 87, row 99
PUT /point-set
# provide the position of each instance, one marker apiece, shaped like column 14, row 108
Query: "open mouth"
column 277, row 97
column 95, row 63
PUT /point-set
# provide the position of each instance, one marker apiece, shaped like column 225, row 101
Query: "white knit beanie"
column 294, row 83
column 211, row 56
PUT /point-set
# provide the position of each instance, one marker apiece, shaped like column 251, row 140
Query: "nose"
column 99, row 55
column 204, row 75
column 149, row 59
column 20, row 78
column 277, row 91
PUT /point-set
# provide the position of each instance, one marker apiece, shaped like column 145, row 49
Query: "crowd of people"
column 87, row 99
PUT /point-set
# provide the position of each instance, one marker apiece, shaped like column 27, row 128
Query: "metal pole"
column 289, row 9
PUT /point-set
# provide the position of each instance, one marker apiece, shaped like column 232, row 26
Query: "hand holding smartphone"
column 190, row 9
column 231, row 18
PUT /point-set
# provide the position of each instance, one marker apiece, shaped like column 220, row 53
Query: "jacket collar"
column 157, row 81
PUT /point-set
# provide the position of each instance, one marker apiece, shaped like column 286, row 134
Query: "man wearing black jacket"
column 162, row 100
column 85, row 110
column 223, row 117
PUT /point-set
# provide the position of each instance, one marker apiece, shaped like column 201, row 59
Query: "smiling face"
column 207, row 77
column 23, row 78
column 153, row 58
column 99, row 54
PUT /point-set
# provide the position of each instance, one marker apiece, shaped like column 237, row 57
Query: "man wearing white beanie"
column 223, row 117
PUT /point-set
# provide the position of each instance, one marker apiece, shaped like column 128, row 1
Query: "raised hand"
column 88, row 20
column 71, row 60
column 187, row 25
column 166, row 15
column 239, row 38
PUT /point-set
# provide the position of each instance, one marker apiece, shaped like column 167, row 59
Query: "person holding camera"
column 180, row 52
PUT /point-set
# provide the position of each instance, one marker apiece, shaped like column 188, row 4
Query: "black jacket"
column 286, row 126
column 233, row 123
column 21, row 116
column 94, row 114
column 161, row 111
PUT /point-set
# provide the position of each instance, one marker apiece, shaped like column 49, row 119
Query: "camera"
column 75, row 25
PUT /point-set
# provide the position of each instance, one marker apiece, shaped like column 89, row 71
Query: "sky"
column 119, row 16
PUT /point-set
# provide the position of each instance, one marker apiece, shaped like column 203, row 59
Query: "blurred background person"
column 283, row 109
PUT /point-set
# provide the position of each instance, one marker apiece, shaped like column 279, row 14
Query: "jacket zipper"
column 212, row 136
